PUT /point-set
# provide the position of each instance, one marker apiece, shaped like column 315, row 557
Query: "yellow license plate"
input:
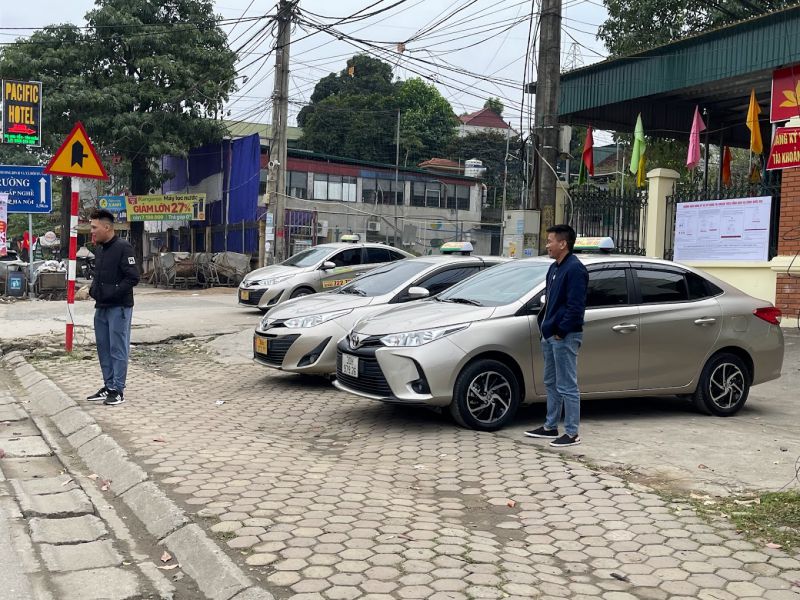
column 261, row 345
column 245, row 295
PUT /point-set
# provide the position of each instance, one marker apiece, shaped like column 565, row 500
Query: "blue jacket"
column 565, row 294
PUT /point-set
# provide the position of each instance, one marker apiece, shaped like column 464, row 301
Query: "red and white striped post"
column 73, row 254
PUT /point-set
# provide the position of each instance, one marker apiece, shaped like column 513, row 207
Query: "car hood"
column 428, row 314
column 272, row 271
column 316, row 304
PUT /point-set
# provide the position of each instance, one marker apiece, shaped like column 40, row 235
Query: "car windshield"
column 499, row 285
column 384, row 279
column 307, row 258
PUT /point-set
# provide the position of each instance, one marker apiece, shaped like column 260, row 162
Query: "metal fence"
column 620, row 215
column 687, row 191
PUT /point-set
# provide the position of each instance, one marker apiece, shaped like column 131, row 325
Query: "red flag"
column 588, row 153
column 726, row 166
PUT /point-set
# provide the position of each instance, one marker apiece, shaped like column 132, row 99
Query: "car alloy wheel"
column 486, row 396
column 724, row 385
column 300, row 292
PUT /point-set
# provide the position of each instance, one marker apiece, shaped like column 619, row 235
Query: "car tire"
column 724, row 386
column 301, row 291
column 470, row 408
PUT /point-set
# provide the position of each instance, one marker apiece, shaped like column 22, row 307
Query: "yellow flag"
column 756, row 146
column 640, row 171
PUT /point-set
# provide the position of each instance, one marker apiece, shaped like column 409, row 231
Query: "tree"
column 633, row 26
column 146, row 78
column 354, row 113
column 490, row 147
column 495, row 105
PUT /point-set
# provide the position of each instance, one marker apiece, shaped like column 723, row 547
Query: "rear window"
column 700, row 288
column 657, row 287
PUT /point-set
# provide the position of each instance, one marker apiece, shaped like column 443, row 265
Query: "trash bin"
column 16, row 284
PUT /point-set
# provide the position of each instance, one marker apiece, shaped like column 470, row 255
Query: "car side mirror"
column 535, row 305
column 415, row 293
column 328, row 265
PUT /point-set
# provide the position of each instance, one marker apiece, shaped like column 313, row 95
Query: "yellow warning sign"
column 77, row 157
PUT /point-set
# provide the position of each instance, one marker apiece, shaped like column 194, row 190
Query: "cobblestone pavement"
column 327, row 496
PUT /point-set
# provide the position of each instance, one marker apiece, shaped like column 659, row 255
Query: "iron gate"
column 620, row 215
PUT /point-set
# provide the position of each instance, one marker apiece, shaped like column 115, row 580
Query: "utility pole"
column 397, row 180
column 546, row 116
column 276, row 189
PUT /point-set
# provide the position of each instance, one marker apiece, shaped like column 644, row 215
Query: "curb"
column 215, row 574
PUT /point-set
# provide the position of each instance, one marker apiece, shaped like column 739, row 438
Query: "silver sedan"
column 652, row 327
column 300, row 335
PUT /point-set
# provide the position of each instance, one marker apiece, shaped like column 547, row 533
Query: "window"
column 384, row 191
column 395, row 255
column 458, row 197
column 297, row 184
column 424, row 194
column 418, row 193
column 347, row 258
column 500, row 285
column 320, row 186
column 348, row 188
column 383, row 280
column 661, row 286
column 433, row 195
column 700, row 288
column 334, row 187
column 378, row 255
column 607, row 287
column 439, row 282
column 368, row 190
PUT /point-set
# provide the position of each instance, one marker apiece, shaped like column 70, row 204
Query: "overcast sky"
column 498, row 53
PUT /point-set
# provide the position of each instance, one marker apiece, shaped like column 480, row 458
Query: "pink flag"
column 693, row 158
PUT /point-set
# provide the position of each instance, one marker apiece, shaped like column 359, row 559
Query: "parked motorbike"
column 87, row 268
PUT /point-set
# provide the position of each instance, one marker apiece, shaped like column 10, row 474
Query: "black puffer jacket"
column 115, row 274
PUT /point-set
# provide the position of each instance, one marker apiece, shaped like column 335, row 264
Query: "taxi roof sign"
column 456, row 247
column 352, row 238
column 77, row 157
column 593, row 244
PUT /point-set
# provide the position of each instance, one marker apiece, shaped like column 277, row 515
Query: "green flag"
column 638, row 146
column 582, row 174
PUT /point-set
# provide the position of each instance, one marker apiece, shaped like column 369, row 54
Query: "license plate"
column 245, row 294
column 261, row 345
column 350, row 365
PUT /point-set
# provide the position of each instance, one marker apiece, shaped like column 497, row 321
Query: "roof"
column 441, row 164
column 715, row 70
column 485, row 117
column 264, row 131
column 308, row 154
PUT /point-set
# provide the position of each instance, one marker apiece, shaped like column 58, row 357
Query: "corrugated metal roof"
column 716, row 70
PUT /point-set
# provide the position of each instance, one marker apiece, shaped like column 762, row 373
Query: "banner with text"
column 22, row 112
column 723, row 230
column 169, row 207
column 785, row 152
column 3, row 224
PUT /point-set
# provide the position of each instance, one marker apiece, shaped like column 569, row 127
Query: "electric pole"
column 276, row 189
column 546, row 115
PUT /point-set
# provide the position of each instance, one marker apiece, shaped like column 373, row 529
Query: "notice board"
column 723, row 230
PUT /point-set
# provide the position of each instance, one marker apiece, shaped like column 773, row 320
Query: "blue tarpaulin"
column 244, row 179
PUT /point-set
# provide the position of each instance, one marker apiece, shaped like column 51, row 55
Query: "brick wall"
column 787, row 292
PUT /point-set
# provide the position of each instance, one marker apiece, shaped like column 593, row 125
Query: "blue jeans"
column 561, row 381
column 112, row 333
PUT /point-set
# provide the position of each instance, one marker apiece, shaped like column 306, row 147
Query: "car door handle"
column 705, row 321
column 625, row 327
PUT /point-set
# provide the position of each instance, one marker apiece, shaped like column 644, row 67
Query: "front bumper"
column 419, row 375
column 311, row 350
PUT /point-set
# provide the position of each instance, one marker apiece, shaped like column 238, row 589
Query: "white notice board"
column 722, row 230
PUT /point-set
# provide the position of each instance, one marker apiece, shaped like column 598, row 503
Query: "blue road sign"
column 28, row 188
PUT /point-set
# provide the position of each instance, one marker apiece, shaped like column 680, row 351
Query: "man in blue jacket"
column 115, row 275
column 561, row 329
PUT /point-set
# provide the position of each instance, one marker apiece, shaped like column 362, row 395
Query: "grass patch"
column 773, row 517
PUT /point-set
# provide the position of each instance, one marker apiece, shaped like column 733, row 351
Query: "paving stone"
column 72, row 530
column 73, row 503
column 98, row 584
column 26, row 447
column 78, row 557
column 11, row 412
column 17, row 429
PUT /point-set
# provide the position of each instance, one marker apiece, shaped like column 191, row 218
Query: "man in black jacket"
column 561, row 328
column 115, row 276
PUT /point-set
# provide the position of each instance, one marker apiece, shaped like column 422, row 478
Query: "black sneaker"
column 566, row 440
column 541, row 432
column 113, row 398
column 98, row 395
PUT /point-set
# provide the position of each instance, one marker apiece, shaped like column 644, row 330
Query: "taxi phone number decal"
column 335, row 283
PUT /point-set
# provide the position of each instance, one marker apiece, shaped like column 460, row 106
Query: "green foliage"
column 636, row 25
column 495, row 104
column 490, row 147
column 354, row 113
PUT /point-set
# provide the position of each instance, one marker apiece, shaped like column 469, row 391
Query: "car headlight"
column 269, row 281
column 314, row 320
column 419, row 338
